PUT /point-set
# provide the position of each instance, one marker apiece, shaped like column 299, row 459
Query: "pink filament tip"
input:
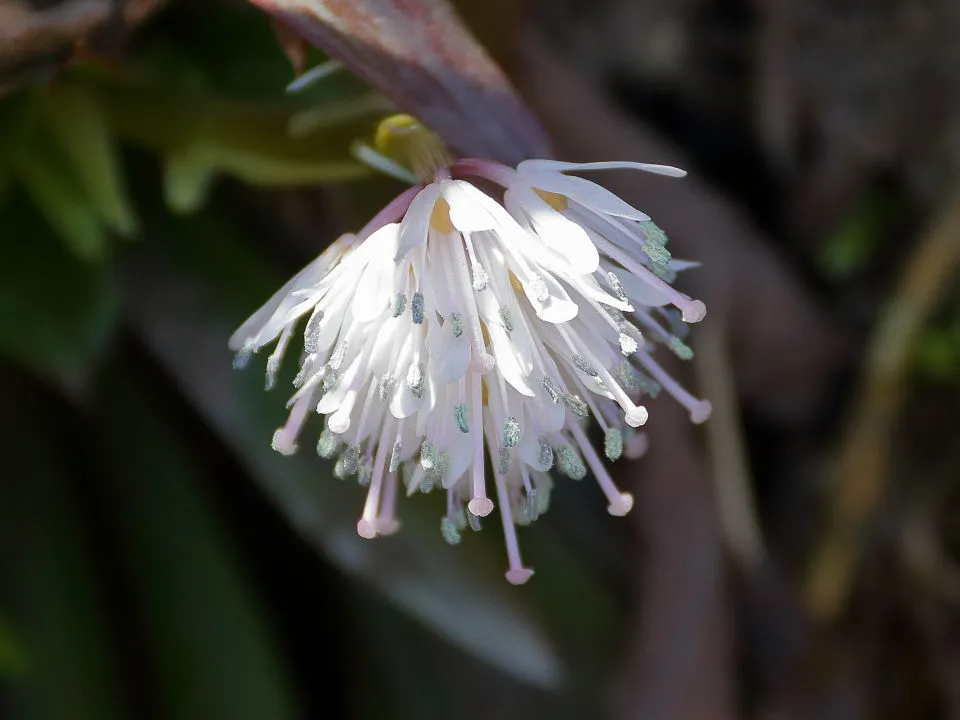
column 622, row 506
column 387, row 526
column 700, row 412
column 481, row 507
column 367, row 529
column 694, row 311
column 518, row 576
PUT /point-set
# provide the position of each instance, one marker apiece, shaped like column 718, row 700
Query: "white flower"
column 456, row 326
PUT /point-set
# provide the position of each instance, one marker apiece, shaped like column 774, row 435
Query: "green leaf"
column 56, row 311
column 203, row 136
column 49, row 580
column 458, row 592
column 72, row 115
column 47, row 177
column 213, row 650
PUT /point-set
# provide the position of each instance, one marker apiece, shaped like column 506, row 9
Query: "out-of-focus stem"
column 862, row 467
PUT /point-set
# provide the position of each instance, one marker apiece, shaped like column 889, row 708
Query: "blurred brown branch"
column 862, row 468
column 419, row 54
column 26, row 31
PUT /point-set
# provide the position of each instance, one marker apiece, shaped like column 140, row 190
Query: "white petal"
column 267, row 322
column 450, row 356
column 509, row 364
column 559, row 166
column 561, row 235
column 416, row 221
column 586, row 193
column 466, row 213
column 459, row 453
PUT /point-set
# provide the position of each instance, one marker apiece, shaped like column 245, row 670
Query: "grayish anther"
column 628, row 346
column 532, row 505
column 385, row 388
column 680, row 348
column 340, row 470
column 614, row 282
column 613, row 444
column 395, row 455
column 328, row 444
column 570, row 464
column 415, row 379
column 448, row 529
column 550, row 387
column 416, row 308
column 628, row 377
column 506, row 317
column 647, row 385
column 544, row 452
column 399, row 304
column 273, row 366
column 456, row 325
column 339, row 352
column 480, row 277
column 584, row 366
column 511, row 432
column 460, row 413
column 575, row 405
column 473, row 521
column 244, row 354
column 330, row 381
column 351, row 459
column 306, row 368
column 429, row 457
column 311, row 332
column 365, row 473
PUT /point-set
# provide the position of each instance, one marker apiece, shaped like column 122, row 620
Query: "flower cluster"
column 465, row 323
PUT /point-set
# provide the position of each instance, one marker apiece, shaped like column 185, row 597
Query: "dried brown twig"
column 862, row 467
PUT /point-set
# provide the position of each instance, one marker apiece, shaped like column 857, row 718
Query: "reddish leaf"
column 420, row 55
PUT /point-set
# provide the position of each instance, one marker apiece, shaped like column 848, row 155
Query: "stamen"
column 516, row 573
column 700, row 410
column 285, row 438
column 416, row 308
column 244, row 354
column 273, row 362
column 569, row 463
column 415, row 379
column 311, row 331
column 449, row 531
column 328, row 444
column 506, row 319
column 544, row 452
column 387, row 523
column 460, row 413
column 479, row 504
column 613, row 444
column 620, row 502
column 511, row 432
column 399, row 304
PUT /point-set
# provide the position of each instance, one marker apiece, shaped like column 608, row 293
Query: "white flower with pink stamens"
column 460, row 325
